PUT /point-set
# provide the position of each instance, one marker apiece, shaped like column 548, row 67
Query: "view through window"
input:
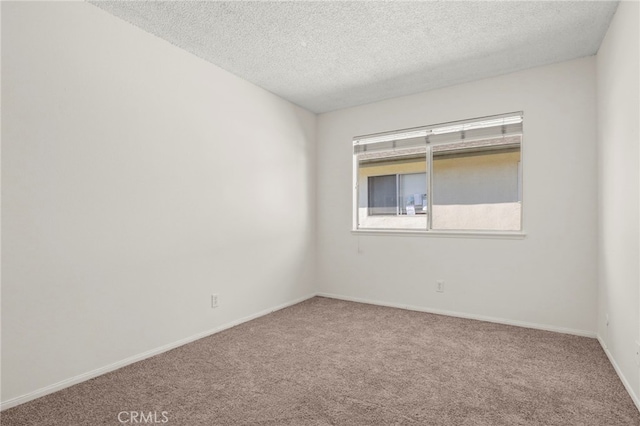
column 461, row 176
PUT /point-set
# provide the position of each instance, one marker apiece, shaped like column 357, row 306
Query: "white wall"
column 547, row 278
column 137, row 180
column 618, row 75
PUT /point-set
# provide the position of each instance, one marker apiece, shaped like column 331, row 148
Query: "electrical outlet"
column 638, row 354
column 214, row 300
column 440, row 286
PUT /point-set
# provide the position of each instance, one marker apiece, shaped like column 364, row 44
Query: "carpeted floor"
column 329, row 362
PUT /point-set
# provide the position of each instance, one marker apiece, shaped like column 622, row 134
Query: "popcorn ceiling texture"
column 331, row 55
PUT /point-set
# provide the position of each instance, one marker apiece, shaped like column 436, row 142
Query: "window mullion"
column 429, row 176
column 356, row 191
column 398, row 202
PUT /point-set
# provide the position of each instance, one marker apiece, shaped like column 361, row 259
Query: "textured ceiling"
column 332, row 54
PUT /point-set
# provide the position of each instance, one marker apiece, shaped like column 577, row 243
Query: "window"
column 461, row 176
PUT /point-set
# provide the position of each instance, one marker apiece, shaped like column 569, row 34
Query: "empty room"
column 320, row 213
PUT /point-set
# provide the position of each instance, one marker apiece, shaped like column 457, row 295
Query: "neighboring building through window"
column 456, row 176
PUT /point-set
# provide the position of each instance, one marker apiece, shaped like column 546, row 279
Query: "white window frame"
column 427, row 131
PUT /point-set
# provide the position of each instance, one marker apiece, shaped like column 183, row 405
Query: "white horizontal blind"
column 390, row 145
column 481, row 128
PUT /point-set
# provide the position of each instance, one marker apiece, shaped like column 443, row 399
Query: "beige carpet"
column 329, row 362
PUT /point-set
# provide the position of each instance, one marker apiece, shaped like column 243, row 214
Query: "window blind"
column 480, row 128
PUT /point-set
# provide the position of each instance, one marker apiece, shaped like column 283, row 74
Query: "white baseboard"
column 623, row 379
column 139, row 357
column 583, row 333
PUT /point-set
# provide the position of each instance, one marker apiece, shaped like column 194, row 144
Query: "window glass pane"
column 392, row 189
column 383, row 192
column 476, row 185
column 412, row 189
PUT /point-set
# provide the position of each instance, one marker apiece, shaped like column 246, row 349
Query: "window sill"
column 505, row 235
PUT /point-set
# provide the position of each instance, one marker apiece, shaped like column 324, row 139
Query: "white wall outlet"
column 638, row 354
column 440, row 286
column 214, row 300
